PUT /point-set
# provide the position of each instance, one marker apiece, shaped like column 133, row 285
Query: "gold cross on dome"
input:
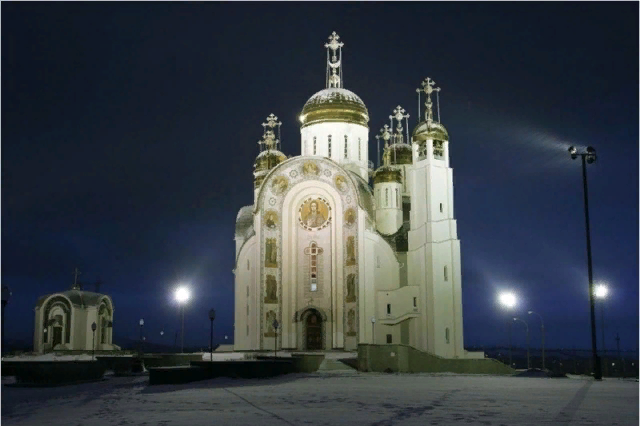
column 333, row 42
column 272, row 121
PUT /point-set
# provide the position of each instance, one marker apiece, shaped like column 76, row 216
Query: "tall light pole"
column 373, row 330
column 541, row 333
column 6, row 295
column 601, row 292
column 589, row 156
column 527, row 326
column 182, row 295
column 508, row 300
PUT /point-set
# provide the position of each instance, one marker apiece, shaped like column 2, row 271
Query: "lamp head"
column 182, row 294
column 529, row 312
column 573, row 152
column 212, row 314
column 601, row 291
column 508, row 300
column 141, row 322
column 591, row 154
column 93, row 327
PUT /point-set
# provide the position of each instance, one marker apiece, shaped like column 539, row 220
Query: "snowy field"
column 329, row 398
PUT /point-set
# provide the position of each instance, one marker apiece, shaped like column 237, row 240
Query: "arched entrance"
column 313, row 325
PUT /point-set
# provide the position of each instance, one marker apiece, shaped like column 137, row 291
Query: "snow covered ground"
column 329, row 398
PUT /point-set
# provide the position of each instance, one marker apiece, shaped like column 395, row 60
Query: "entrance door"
column 314, row 332
column 57, row 336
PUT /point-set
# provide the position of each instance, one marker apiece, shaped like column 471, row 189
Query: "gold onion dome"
column 430, row 130
column 386, row 174
column 268, row 159
column 398, row 154
column 334, row 104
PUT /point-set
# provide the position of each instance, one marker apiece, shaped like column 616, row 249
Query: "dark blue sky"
column 129, row 132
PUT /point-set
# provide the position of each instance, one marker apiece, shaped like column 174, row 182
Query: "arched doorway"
column 313, row 324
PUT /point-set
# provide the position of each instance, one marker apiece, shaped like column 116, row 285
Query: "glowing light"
column 508, row 299
column 601, row 291
column 182, row 294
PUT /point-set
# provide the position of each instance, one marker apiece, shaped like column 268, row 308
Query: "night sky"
column 129, row 133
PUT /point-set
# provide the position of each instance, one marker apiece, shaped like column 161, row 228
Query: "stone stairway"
column 329, row 364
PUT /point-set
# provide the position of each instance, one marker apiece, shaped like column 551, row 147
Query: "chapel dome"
column 398, row 154
column 334, row 104
column 387, row 174
column 430, row 130
column 268, row 159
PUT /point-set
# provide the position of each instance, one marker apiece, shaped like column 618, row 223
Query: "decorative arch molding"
column 55, row 301
column 302, row 313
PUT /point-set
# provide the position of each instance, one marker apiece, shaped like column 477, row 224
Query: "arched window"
column 386, row 197
column 397, row 198
column 329, row 146
column 446, row 334
column 315, row 145
column 446, row 276
column 248, row 265
column 359, row 150
column 346, row 146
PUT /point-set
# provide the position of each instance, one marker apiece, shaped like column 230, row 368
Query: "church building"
column 63, row 321
column 324, row 259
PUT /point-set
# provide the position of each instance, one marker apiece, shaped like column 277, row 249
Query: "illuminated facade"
column 321, row 253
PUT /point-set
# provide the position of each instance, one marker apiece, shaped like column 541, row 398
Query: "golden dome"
column 334, row 104
column 387, row 174
column 398, row 154
column 268, row 159
column 433, row 130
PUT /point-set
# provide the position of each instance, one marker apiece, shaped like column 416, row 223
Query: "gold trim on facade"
column 258, row 181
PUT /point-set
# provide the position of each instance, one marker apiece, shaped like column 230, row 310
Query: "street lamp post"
column 508, row 300
column 182, row 295
column 276, row 324
column 6, row 295
column 373, row 330
column 541, row 333
column 141, row 326
column 601, row 292
column 527, row 326
column 212, row 316
column 589, row 156
column 93, row 349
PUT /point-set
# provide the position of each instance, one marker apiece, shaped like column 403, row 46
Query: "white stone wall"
column 388, row 196
column 246, row 297
column 357, row 146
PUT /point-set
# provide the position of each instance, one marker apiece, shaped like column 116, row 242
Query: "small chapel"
column 63, row 321
column 335, row 252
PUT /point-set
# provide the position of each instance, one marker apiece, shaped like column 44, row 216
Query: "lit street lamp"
column 526, row 325
column 508, row 300
column 589, row 156
column 182, row 295
column 601, row 292
column 541, row 333
column 93, row 349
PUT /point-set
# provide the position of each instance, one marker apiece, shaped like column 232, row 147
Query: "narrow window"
column 247, row 329
column 313, row 270
column 329, row 146
column 388, row 308
column 440, row 207
column 389, row 338
column 386, row 197
column 446, row 334
column 359, row 150
column 379, row 200
column 315, row 145
column 446, row 276
column 415, row 302
column 247, row 310
column 248, row 265
column 397, row 198
column 377, row 261
column 247, row 291
column 346, row 146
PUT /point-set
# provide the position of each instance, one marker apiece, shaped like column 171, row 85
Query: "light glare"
column 601, row 291
column 182, row 294
column 507, row 299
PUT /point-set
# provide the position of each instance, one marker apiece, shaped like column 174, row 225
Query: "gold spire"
column 270, row 156
column 334, row 62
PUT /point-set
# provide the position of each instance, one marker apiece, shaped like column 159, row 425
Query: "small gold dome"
column 386, row 174
column 433, row 130
column 268, row 159
column 398, row 154
column 331, row 105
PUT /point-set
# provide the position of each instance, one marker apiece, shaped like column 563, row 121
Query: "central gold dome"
column 334, row 105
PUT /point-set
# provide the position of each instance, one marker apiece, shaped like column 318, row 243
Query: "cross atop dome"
column 399, row 114
column 269, row 139
column 334, row 61
column 428, row 88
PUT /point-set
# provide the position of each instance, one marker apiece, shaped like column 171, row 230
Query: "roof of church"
column 77, row 297
column 244, row 222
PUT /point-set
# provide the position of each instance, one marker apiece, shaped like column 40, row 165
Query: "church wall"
column 338, row 131
column 246, row 293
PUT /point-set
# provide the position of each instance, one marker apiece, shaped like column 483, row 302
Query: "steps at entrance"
column 333, row 365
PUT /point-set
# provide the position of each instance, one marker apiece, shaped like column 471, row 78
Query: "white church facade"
column 324, row 260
